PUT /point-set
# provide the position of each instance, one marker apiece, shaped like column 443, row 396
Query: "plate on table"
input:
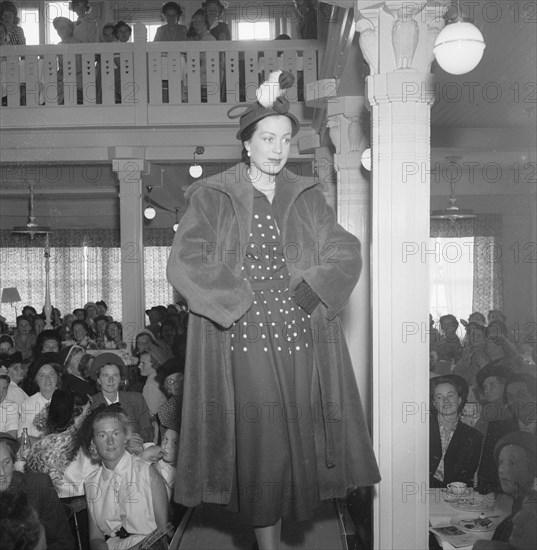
column 476, row 524
column 473, row 503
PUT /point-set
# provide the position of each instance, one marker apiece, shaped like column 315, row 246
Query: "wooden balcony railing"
column 132, row 83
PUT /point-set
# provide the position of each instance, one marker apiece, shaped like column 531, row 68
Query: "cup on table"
column 457, row 488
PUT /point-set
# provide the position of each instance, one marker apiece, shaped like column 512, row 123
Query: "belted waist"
column 270, row 284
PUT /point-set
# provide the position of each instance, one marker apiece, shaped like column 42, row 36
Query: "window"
column 259, row 30
column 451, row 270
column 30, row 25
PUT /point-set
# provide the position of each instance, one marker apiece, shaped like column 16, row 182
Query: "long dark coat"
column 205, row 267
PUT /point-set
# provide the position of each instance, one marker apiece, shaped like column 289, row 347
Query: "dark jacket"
column 205, row 267
column 43, row 498
column 133, row 403
column 462, row 455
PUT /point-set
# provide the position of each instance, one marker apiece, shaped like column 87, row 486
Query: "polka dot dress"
column 272, row 356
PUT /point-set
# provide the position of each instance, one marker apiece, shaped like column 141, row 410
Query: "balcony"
column 143, row 84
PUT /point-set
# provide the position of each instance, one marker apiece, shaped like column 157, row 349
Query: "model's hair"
column 114, row 411
column 246, row 135
column 20, row 527
column 12, row 8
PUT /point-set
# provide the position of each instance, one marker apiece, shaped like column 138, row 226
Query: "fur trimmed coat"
column 205, row 267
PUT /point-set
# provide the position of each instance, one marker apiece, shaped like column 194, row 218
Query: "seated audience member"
column 156, row 315
column 144, row 340
column 47, row 342
column 122, row 31
column 40, row 493
column 79, row 314
column 199, row 27
column 66, row 326
column 516, row 456
column 101, row 322
column 454, row 446
column 475, row 317
column 474, row 356
column 7, row 345
column 20, row 528
column 449, row 346
column 108, row 370
column 113, row 336
column 520, row 394
column 496, row 315
column 9, row 410
column 172, row 31
column 168, row 463
column 38, row 324
column 214, row 10
column 499, row 346
column 108, row 36
column 113, row 515
column 44, row 377
column 24, row 338
column 29, row 311
column 169, row 331
column 490, row 381
column 17, row 372
column 81, row 336
column 75, row 378
column 54, row 453
column 90, row 312
column 65, row 29
column 170, row 377
column 9, row 17
column 85, row 28
column 150, row 361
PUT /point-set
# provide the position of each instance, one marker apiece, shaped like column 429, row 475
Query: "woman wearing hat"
column 454, row 446
column 266, row 269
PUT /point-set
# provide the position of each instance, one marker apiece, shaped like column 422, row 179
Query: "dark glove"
column 306, row 298
column 286, row 80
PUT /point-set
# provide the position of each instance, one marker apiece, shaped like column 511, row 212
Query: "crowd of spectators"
column 483, row 391
column 56, row 379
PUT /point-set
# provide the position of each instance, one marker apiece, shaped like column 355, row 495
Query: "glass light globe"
column 366, row 159
column 459, row 47
column 150, row 213
column 195, row 170
column 175, row 226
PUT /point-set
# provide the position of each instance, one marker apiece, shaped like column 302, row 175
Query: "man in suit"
column 108, row 369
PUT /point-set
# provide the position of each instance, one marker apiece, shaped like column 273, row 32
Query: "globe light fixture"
column 176, row 224
column 366, row 159
column 195, row 169
column 459, row 46
column 149, row 212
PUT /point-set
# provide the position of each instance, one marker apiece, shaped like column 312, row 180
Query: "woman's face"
column 143, row 343
column 446, row 399
column 270, row 145
column 3, row 35
column 6, row 348
column 6, row 467
column 24, row 326
column 198, row 22
column 109, row 36
column 174, row 384
column 79, row 333
column 46, row 379
column 172, row 17
column 145, row 366
column 39, row 325
column 109, row 378
column 91, row 312
column 513, row 469
column 113, row 331
column 101, row 325
column 109, row 438
column 9, row 17
column 168, row 332
column 17, row 372
column 493, row 389
column 4, row 384
column 170, row 443
column 123, row 34
column 213, row 12
column 50, row 345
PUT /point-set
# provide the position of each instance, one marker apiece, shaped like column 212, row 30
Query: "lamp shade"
column 10, row 295
column 459, row 47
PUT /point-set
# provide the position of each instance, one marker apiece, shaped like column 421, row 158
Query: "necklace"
column 261, row 186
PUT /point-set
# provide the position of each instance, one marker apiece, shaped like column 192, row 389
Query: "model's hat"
column 270, row 101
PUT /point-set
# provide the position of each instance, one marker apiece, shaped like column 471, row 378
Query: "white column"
column 129, row 172
column 396, row 38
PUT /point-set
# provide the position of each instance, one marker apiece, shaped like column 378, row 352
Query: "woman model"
column 272, row 348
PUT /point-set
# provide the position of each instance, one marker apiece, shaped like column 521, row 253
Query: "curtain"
column 85, row 265
column 487, row 273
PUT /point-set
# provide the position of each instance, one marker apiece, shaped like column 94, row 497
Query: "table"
column 441, row 513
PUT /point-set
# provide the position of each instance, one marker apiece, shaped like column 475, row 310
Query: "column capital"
column 397, row 35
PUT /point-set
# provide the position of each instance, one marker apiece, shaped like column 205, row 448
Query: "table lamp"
column 10, row 295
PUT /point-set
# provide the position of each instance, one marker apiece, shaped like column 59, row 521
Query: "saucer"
column 451, row 497
column 474, row 503
column 475, row 525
